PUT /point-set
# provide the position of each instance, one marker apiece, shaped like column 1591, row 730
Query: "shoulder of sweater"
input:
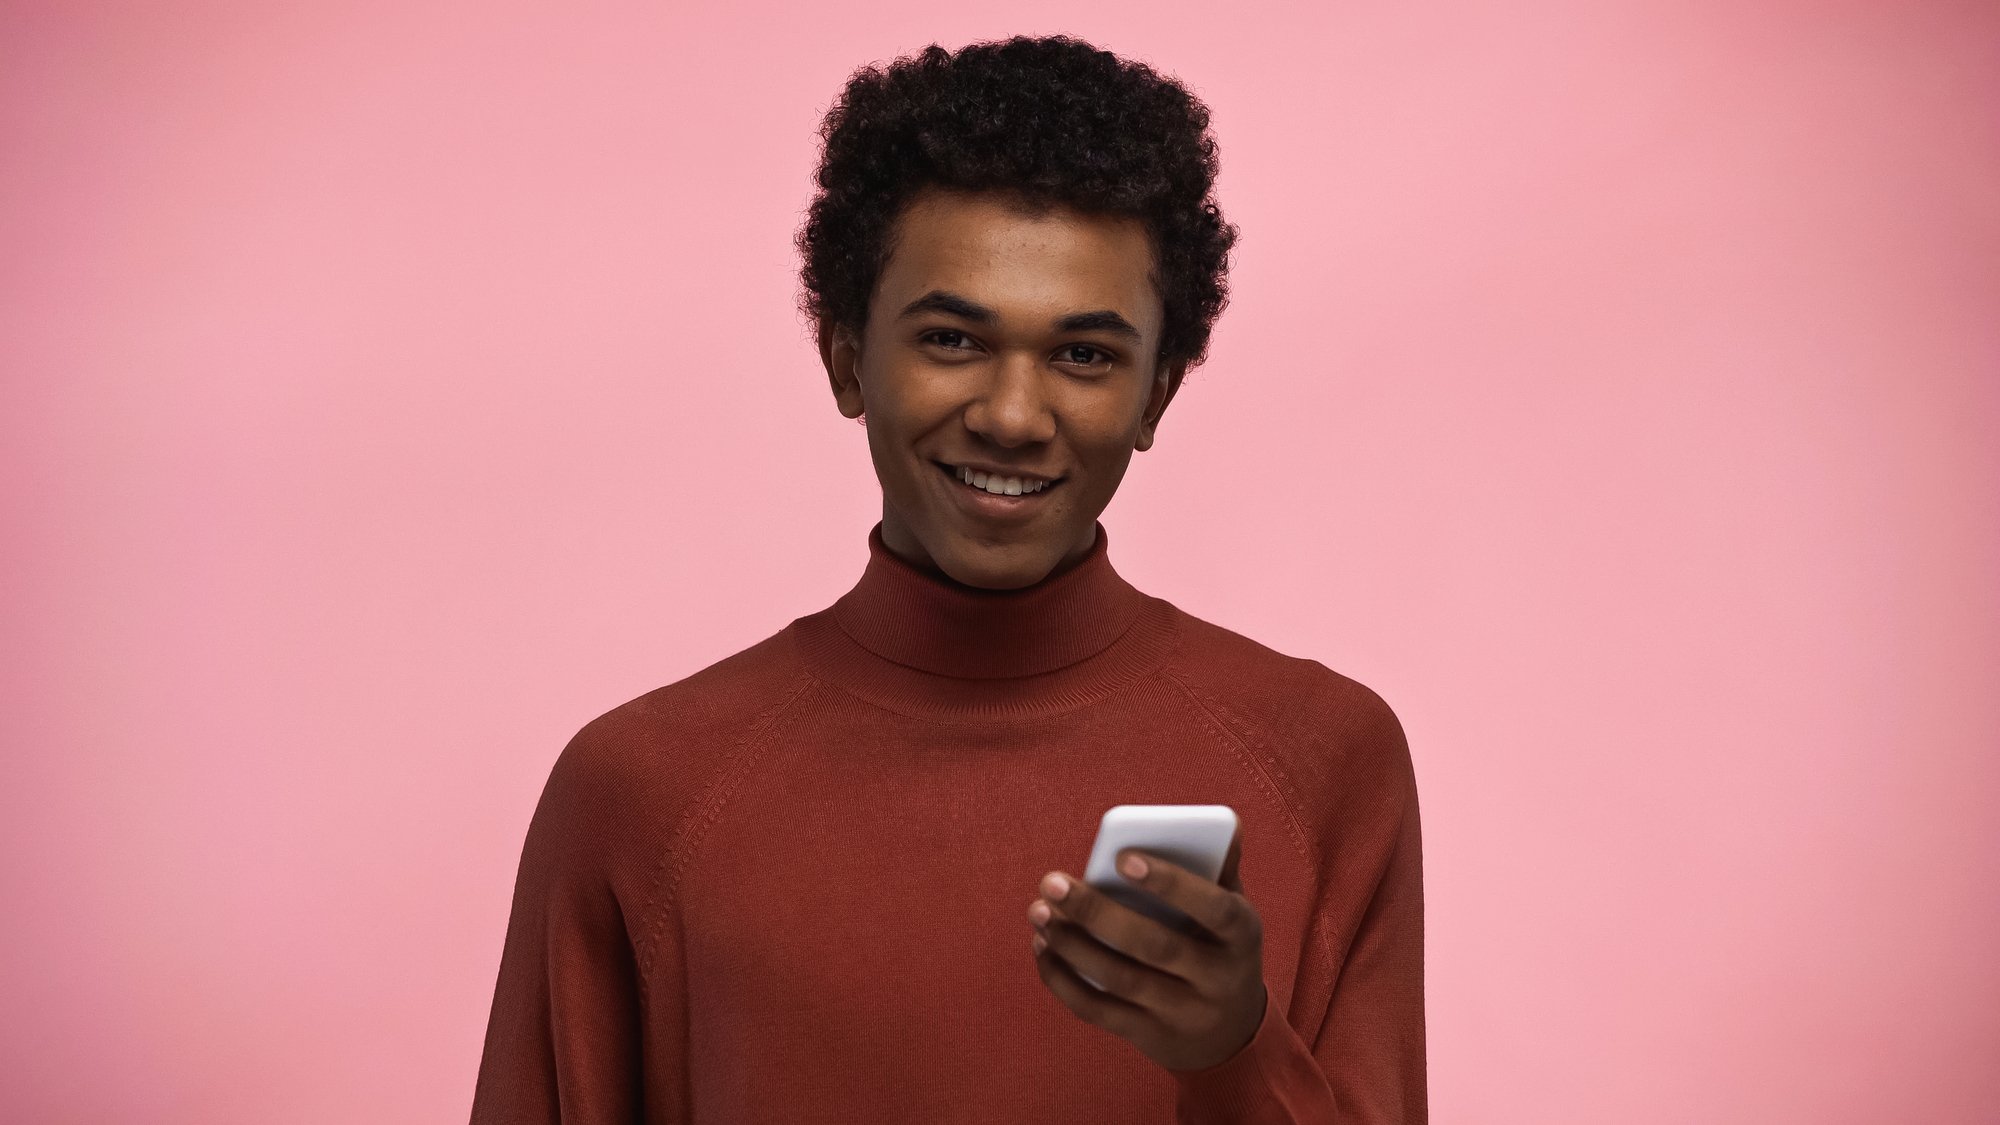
column 634, row 776
column 1335, row 739
column 658, row 748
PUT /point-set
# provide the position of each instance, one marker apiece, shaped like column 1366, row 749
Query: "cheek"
column 1108, row 463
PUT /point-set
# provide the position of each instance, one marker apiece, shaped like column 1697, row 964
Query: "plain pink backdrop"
column 390, row 388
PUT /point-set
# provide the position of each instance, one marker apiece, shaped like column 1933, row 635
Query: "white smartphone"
column 1194, row 836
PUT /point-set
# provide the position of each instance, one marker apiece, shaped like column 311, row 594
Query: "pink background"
column 390, row 388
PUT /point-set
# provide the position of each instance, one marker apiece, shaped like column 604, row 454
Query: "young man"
column 833, row 877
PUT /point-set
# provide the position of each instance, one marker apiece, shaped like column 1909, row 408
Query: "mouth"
column 995, row 508
column 951, row 474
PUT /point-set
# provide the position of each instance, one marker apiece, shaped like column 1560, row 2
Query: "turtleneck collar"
column 936, row 624
column 923, row 643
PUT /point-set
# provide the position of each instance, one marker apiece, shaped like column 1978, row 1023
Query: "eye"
column 1091, row 354
column 949, row 339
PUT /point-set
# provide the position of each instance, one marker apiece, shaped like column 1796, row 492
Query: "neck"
column 898, row 540
column 923, row 645
column 929, row 621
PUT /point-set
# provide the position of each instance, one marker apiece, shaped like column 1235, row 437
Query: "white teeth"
column 999, row 485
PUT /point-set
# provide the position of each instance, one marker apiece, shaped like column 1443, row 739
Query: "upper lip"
column 1001, row 471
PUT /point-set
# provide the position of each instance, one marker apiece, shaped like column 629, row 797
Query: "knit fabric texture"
column 793, row 886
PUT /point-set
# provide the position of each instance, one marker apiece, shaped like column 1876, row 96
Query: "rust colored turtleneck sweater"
column 793, row 887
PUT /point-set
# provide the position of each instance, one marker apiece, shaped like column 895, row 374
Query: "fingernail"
column 1135, row 867
column 1057, row 887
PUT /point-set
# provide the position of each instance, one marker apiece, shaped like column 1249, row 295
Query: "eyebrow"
column 1097, row 320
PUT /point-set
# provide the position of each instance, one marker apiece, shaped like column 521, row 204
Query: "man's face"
column 1011, row 341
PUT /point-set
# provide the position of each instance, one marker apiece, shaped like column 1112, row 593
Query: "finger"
column 1091, row 1005
column 1110, row 971
column 1224, row 913
column 1143, row 939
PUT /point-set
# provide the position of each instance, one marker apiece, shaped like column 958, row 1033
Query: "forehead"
column 1023, row 263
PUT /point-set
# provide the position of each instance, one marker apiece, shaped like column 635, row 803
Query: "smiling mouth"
column 952, row 473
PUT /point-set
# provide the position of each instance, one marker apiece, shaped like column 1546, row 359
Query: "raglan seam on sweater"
column 1265, row 766
column 675, row 855
column 1243, row 734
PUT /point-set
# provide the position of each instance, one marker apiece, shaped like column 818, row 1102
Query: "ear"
column 1165, row 382
column 840, row 352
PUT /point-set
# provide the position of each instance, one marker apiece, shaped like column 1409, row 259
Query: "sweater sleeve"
column 563, row 1044
column 1366, row 1064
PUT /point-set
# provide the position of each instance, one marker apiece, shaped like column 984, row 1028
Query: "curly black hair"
column 1054, row 121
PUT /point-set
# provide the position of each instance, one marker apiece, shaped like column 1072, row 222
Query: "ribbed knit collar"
column 924, row 643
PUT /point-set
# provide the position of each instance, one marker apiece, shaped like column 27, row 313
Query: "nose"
column 1012, row 407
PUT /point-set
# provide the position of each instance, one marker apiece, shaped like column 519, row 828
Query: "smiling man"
column 1009, row 369
column 832, row 877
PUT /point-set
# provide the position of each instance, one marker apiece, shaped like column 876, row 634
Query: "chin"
column 1007, row 565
